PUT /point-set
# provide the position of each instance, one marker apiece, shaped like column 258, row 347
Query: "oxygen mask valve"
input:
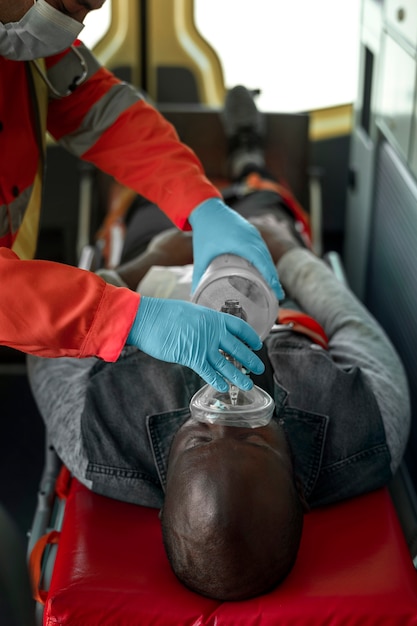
column 232, row 307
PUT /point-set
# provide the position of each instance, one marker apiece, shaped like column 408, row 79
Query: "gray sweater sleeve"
column 355, row 339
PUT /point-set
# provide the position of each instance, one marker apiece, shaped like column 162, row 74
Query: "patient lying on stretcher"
column 232, row 499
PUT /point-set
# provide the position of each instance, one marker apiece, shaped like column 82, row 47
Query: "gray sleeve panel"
column 59, row 387
column 99, row 118
column 355, row 339
column 103, row 113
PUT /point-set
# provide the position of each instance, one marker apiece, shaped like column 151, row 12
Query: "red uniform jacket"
column 47, row 308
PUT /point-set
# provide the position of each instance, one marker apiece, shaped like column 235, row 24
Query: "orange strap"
column 62, row 486
column 302, row 323
column 256, row 182
column 35, row 564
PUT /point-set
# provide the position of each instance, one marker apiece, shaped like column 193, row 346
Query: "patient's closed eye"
column 253, row 438
column 195, row 441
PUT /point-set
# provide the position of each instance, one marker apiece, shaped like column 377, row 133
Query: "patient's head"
column 232, row 517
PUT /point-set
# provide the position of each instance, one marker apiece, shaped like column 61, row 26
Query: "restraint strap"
column 62, row 487
column 304, row 324
column 257, row 182
column 35, row 564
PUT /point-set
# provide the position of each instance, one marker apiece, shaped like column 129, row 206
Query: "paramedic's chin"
column 232, row 517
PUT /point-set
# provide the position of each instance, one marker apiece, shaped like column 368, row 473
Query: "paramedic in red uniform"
column 50, row 81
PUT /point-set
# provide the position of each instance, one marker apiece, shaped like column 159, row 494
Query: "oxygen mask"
column 231, row 284
column 250, row 409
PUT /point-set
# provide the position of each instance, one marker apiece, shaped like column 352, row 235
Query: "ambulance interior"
column 338, row 85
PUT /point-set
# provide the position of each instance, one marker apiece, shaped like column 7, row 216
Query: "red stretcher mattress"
column 354, row 569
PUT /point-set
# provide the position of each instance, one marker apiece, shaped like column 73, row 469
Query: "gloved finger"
column 212, row 377
column 243, row 331
column 263, row 262
column 232, row 374
column 198, row 271
column 237, row 350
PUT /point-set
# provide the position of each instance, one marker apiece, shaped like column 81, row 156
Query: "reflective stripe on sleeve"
column 11, row 215
column 100, row 117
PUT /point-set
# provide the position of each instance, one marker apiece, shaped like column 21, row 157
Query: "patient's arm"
column 171, row 247
column 277, row 233
column 174, row 247
column 356, row 340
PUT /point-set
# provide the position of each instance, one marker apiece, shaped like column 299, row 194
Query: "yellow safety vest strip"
column 25, row 243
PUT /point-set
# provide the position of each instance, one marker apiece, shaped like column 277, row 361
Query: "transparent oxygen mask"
column 249, row 409
column 252, row 409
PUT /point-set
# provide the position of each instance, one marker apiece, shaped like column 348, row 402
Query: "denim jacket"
column 330, row 417
column 345, row 410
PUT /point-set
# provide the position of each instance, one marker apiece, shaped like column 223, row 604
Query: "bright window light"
column 97, row 24
column 303, row 55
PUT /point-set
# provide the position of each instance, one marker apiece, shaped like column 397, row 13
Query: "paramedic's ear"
column 160, row 512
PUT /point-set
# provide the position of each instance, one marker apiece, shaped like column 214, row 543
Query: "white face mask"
column 42, row 31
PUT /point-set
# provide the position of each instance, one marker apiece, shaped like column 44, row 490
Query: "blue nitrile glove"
column 217, row 229
column 192, row 335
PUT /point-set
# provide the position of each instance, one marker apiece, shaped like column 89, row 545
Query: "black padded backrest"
column 392, row 272
column 286, row 143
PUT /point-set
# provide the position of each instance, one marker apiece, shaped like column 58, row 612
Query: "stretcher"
column 98, row 561
column 95, row 561
column 109, row 568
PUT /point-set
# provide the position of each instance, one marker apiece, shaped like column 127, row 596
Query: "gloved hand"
column 192, row 335
column 217, row 229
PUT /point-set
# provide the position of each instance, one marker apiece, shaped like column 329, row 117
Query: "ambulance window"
column 303, row 55
column 97, row 23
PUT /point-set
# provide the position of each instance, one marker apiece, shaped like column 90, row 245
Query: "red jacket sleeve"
column 143, row 151
column 106, row 122
column 54, row 310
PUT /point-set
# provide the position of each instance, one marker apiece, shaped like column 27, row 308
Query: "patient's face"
column 222, row 462
column 197, row 445
column 230, row 498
